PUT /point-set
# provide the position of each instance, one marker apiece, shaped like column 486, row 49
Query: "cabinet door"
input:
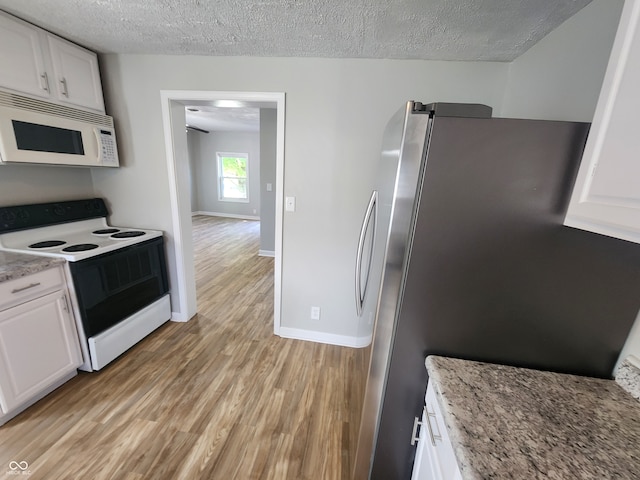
column 38, row 346
column 442, row 450
column 21, row 59
column 76, row 74
column 606, row 196
column 435, row 459
column 425, row 465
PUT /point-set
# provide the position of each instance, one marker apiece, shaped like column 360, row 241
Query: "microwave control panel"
column 108, row 151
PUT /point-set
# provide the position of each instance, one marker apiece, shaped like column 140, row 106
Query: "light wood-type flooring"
column 218, row 397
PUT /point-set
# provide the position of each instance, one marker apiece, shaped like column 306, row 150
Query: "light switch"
column 290, row 204
column 269, row 187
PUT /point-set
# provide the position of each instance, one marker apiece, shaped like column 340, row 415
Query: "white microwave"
column 38, row 132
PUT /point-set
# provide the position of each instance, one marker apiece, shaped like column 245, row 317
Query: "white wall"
column 336, row 112
column 559, row 78
column 193, row 146
column 268, row 131
column 205, row 174
column 23, row 184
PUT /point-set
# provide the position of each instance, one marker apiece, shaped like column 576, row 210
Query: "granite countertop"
column 16, row 265
column 508, row 422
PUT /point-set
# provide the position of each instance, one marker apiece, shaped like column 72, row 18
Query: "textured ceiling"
column 488, row 30
column 491, row 30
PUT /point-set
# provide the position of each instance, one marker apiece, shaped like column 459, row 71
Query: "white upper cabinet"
column 37, row 63
column 606, row 196
column 76, row 74
column 22, row 65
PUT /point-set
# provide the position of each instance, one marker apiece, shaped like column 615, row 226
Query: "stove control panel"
column 22, row 217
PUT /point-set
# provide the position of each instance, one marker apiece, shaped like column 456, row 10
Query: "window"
column 233, row 177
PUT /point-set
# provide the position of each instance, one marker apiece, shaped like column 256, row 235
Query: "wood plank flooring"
column 218, row 397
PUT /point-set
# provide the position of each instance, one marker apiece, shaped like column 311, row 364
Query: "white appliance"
column 40, row 132
column 117, row 276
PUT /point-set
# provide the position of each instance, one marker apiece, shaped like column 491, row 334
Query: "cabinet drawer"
column 32, row 286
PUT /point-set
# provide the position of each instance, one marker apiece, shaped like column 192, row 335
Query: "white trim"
column 226, row 215
column 179, row 199
column 234, row 200
column 181, row 284
column 179, row 317
column 266, row 253
column 277, row 280
column 323, row 337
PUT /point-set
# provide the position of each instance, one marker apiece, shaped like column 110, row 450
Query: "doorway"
column 174, row 120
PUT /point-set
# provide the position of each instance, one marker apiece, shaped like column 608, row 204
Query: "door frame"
column 181, row 236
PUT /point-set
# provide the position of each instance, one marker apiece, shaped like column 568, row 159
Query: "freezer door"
column 403, row 149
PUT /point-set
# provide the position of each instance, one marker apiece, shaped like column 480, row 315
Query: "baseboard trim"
column 179, row 317
column 323, row 337
column 226, row 215
column 266, row 253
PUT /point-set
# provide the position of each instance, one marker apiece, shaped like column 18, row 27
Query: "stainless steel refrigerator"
column 463, row 253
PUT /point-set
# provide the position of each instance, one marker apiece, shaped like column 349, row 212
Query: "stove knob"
column 8, row 217
column 58, row 210
column 23, row 214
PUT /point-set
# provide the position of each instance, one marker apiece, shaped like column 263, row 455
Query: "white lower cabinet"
column 39, row 347
column 435, row 459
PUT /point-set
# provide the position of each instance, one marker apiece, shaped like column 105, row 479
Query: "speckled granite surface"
column 507, row 422
column 15, row 265
column 628, row 377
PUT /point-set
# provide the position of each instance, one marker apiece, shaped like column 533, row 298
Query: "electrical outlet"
column 315, row 313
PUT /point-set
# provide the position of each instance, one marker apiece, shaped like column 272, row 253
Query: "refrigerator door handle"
column 370, row 215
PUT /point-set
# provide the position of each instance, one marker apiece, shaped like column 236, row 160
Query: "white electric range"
column 117, row 276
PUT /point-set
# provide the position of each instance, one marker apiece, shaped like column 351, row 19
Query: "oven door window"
column 35, row 137
column 115, row 285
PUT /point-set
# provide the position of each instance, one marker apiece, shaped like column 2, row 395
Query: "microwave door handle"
column 371, row 210
column 96, row 132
